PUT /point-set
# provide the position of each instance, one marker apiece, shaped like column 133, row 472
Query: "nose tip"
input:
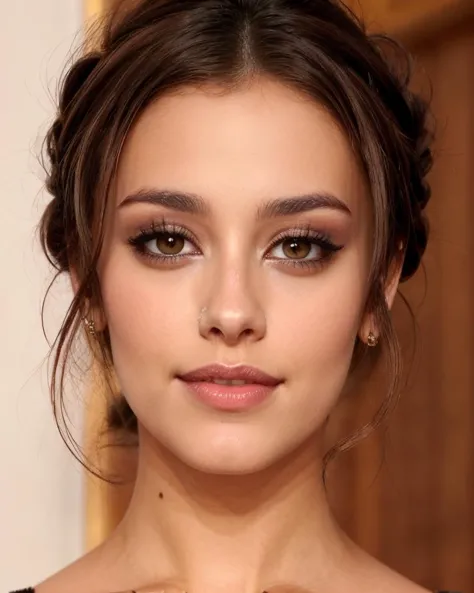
column 233, row 310
column 232, row 327
column 233, row 334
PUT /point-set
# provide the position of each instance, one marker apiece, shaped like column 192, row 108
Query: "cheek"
column 316, row 328
column 146, row 313
column 322, row 317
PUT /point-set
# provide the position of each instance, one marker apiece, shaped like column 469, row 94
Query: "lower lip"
column 230, row 397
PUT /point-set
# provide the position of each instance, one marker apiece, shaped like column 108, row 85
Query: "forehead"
column 265, row 140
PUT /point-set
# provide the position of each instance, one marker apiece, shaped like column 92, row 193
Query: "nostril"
column 215, row 331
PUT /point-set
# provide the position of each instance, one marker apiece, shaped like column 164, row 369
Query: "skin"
column 243, row 508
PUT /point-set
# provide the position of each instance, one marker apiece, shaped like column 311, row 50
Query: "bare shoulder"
column 394, row 582
column 405, row 586
column 391, row 582
column 88, row 573
column 374, row 576
column 397, row 583
column 103, row 570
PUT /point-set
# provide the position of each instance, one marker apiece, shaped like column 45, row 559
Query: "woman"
column 238, row 189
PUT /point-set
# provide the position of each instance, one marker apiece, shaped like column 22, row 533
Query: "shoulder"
column 88, row 573
column 374, row 576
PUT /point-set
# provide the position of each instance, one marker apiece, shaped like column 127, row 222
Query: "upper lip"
column 238, row 373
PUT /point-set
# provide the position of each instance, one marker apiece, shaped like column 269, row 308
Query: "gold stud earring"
column 90, row 325
column 372, row 340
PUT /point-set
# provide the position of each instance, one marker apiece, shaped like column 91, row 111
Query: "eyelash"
column 154, row 231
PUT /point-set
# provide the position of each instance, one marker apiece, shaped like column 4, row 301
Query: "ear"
column 368, row 325
column 91, row 313
column 74, row 281
column 393, row 278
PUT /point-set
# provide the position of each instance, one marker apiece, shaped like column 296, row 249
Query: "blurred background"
column 407, row 493
column 41, row 494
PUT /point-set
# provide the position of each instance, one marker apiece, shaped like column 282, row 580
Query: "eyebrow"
column 195, row 204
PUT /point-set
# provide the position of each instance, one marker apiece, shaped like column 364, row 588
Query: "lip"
column 222, row 372
column 258, row 388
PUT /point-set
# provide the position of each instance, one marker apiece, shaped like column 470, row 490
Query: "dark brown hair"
column 317, row 47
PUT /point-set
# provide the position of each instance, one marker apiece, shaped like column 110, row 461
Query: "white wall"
column 41, row 507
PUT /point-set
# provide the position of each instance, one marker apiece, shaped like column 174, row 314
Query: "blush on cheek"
column 321, row 334
column 148, row 313
column 134, row 300
column 328, row 320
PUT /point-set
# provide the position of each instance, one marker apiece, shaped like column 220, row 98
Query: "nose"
column 233, row 311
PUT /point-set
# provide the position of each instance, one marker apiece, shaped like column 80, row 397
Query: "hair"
column 318, row 48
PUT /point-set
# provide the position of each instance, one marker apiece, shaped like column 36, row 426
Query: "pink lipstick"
column 233, row 388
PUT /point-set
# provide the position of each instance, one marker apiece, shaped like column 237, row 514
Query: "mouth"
column 231, row 375
column 229, row 382
column 230, row 388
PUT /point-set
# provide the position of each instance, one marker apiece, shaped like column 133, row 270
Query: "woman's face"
column 283, row 288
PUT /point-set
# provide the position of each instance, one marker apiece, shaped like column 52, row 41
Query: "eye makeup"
column 153, row 243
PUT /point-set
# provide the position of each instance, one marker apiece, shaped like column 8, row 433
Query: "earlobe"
column 369, row 333
column 93, row 317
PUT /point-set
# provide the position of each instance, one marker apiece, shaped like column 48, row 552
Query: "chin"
column 227, row 454
column 225, row 467
column 232, row 465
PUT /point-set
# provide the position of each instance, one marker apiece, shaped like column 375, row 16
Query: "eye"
column 303, row 247
column 164, row 243
column 168, row 244
column 297, row 248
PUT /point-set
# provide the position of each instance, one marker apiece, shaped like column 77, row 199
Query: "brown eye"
column 167, row 244
column 296, row 248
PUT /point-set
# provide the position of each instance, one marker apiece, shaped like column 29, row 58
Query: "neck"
column 232, row 533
